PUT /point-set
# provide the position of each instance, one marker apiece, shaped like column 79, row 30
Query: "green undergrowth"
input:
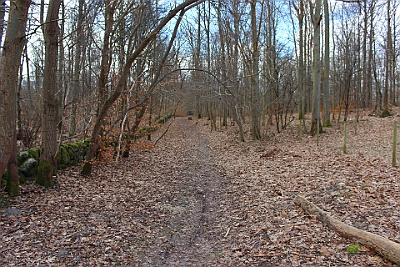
column 29, row 165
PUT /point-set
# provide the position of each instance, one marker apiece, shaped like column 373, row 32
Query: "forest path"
column 196, row 192
column 202, row 198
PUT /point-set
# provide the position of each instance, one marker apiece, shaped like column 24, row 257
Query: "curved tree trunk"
column 94, row 140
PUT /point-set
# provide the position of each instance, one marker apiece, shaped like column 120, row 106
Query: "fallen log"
column 383, row 246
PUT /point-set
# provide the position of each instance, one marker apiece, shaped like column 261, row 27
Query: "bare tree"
column 48, row 160
column 316, row 20
column 327, row 68
column 9, row 65
column 94, row 141
column 255, row 76
column 77, row 67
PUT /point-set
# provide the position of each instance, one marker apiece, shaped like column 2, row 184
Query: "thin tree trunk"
column 327, row 94
column 61, row 62
column 106, row 56
column 301, row 71
column 254, row 79
column 387, row 61
column 77, row 68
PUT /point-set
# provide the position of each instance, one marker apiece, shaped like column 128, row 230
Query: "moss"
column 22, row 157
column 22, row 177
column 63, row 158
column 29, row 167
column 327, row 123
column 34, row 153
column 353, row 248
column 12, row 187
column 75, row 146
column 385, row 114
column 160, row 121
column 44, row 176
column 86, row 169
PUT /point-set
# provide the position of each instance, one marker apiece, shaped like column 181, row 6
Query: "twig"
column 227, row 232
column 166, row 130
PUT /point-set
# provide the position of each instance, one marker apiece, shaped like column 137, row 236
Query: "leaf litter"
column 201, row 198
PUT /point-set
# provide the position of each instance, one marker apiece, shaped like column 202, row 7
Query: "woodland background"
column 199, row 124
column 113, row 70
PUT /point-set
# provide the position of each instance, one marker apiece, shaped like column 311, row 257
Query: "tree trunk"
column 301, row 67
column 388, row 53
column 106, row 56
column 327, row 69
column 48, row 157
column 254, row 79
column 316, row 103
column 77, row 68
column 385, row 247
column 2, row 21
column 9, row 65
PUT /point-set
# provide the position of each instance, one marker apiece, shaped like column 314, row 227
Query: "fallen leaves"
column 208, row 200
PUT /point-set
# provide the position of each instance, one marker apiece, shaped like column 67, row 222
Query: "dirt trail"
column 196, row 200
column 204, row 199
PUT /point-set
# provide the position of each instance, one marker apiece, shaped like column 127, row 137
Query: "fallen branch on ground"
column 385, row 247
column 166, row 130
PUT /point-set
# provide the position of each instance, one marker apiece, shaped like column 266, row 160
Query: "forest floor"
column 202, row 198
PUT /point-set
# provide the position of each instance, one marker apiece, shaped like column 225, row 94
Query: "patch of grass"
column 353, row 248
column 218, row 254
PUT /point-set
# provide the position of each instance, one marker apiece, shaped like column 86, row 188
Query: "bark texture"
column 9, row 66
column 50, row 108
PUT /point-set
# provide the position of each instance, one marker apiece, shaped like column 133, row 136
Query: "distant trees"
column 125, row 71
column 107, row 69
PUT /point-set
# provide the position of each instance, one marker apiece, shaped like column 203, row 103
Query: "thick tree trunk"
column 9, row 65
column 385, row 247
column 48, row 161
column 316, row 102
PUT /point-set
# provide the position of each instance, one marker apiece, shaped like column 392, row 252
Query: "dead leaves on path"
column 361, row 188
column 122, row 214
